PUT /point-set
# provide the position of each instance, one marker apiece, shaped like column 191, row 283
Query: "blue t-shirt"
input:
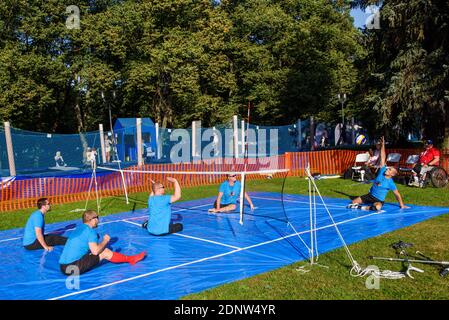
column 159, row 208
column 382, row 185
column 36, row 220
column 77, row 244
column 230, row 193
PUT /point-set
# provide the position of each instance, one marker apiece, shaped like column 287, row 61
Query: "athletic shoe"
column 353, row 206
column 414, row 184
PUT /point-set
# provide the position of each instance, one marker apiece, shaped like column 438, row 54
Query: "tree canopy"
column 182, row 60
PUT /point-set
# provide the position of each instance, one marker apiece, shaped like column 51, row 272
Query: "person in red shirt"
column 428, row 159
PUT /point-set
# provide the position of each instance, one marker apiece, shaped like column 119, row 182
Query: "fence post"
column 243, row 138
column 158, row 143
column 196, row 140
column 103, row 150
column 10, row 149
column 139, row 141
column 236, row 135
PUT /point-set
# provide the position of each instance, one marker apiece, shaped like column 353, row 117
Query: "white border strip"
column 191, row 237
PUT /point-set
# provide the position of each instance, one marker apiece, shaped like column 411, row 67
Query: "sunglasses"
column 232, row 176
column 96, row 217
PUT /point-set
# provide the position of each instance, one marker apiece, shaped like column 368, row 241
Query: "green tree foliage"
column 407, row 70
column 173, row 60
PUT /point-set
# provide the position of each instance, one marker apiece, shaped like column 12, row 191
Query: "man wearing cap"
column 429, row 158
column 383, row 183
column 228, row 194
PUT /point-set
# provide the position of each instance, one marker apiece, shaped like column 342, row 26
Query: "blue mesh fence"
column 57, row 154
column 44, row 152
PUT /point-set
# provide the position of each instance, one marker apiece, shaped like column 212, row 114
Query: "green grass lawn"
column 333, row 282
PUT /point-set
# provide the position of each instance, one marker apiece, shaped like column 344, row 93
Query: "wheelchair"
column 437, row 177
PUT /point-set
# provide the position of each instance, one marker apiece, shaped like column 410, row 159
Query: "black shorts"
column 87, row 262
column 50, row 239
column 172, row 228
column 222, row 205
column 370, row 199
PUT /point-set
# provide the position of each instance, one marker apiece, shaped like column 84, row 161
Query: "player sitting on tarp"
column 159, row 207
column 34, row 237
column 228, row 194
column 383, row 183
column 82, row 251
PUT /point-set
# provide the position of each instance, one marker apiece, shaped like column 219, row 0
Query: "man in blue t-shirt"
column 159, row 207
column 82, row 251
column 383, row 183
column 34, row 238
column 228, row 194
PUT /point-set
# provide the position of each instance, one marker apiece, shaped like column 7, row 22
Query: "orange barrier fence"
column 22, row 194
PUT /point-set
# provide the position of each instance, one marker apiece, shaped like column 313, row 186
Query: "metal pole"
column 139, row 141
column 236, row 136
column 10, row 150
column 243, row 137
column 103, row 150
column 158, row 143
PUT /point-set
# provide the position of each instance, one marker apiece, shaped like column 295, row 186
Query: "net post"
column 10, row 150
column 311, row 210
column 124, row 186
column 242, row 197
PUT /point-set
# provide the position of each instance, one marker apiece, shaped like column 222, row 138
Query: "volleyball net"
column 204, row 173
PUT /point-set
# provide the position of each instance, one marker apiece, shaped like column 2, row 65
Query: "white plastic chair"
column 393, row 159
column 411, row 160
column 357, row 168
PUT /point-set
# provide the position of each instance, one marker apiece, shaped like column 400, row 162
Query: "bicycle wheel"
column 439, row 177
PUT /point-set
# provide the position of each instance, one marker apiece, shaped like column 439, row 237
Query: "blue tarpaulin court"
column 211, row 250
